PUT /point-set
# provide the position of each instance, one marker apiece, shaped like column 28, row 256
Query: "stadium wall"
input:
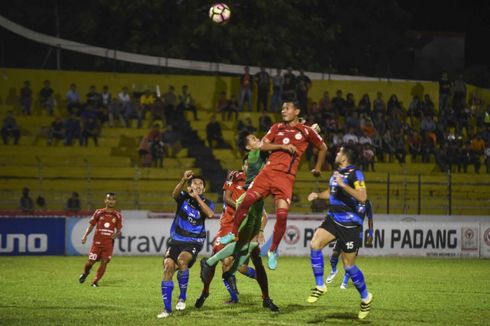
column 395, row 235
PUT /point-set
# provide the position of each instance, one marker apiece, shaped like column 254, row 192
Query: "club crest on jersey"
column 107, row 224
column 285, row 141
column 298, row 136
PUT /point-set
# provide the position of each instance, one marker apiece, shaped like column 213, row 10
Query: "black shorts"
column 349, row 239
column 175, row 248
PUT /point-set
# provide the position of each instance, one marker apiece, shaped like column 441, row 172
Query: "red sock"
column 242, row 210
column 100, row 273
column 279, row 227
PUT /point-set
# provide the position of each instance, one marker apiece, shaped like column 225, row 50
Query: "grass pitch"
column 407, row 291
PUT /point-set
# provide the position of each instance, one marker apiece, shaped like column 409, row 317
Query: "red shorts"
column 217, row 246
column 277, row 183
column 98, row 252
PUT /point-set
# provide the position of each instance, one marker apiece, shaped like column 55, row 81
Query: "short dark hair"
column 112, row 194
column 351, row 152
column 242, row 140
column 200, row 177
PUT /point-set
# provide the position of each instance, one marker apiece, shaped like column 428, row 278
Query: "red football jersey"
column 234, row 183
column 105, row 224
column 300, row 136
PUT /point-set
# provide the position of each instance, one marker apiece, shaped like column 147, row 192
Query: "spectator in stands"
column 105, row 98
column 378, row 147
column 92, row 97
column 338, row 103
column 91, row 129
column 10, row 129
column 350, row 137
column 41, row 202
column 428, row 145
column 157, row 151
column 367, row 157
column 46, row 97
column 214, row 134
column 186, row 102
column 364, row 105
column 464, row 119
column 125, row 104
column 265, row 122
column 444, row 94
column 26, row 98
column 229, row 106
column 428, row 107
column 26, row 203
column 414, row 145
column 170, row 102
column 276, row 99
column 144, row 151
column 158, row 111
column 73, row 203
column 427, row 125
column 414, row 109
column 459, row 92
column 73, row 130
column 399, row 147
column 116, row 113
column 325, row 104
column 367, row 126
column 469, row 156
column 393, row 105
column 379, row 104
column 353, row 121
column 246, row 89
column 289, row 85
column 349, row 105
column 246, row 126
column 263, row 81
column 146, row 102
column 171, row 140
column 73, row 100
column 56, row 131
column 303, row 85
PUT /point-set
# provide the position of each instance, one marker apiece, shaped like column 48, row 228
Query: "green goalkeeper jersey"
column 256, row 161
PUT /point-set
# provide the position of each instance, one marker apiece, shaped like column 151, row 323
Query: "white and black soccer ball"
column 220, row 13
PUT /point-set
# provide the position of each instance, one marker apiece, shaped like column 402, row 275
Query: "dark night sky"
column 469, row 17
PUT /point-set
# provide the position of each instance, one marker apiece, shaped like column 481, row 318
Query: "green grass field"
column 407, row 291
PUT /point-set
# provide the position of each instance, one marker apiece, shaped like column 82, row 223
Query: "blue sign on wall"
column 32, row 236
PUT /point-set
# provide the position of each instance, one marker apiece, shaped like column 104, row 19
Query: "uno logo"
column 35, row 242
column 292, row 235
column 486, row 236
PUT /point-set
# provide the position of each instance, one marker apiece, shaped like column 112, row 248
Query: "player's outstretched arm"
column 178, row 188
column 322, row 153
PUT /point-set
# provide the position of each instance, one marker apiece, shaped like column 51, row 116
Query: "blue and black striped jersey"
column 344, row 208
column 189, row 220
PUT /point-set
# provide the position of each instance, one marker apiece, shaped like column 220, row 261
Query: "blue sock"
column 167, row 288
column 316, row 258
column 183, row 278
column 346, row 278
column 233, row 294
column 333, row 262
column 250, row 272
column 358, row 279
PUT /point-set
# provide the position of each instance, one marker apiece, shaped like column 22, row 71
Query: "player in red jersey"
column 108, row 224
column 278, row 175
column 232, row 190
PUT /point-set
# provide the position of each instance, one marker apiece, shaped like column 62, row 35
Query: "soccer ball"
column 219, row 13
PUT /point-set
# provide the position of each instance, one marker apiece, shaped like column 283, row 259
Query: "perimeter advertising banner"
column 394, row 238
column 32, row 236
